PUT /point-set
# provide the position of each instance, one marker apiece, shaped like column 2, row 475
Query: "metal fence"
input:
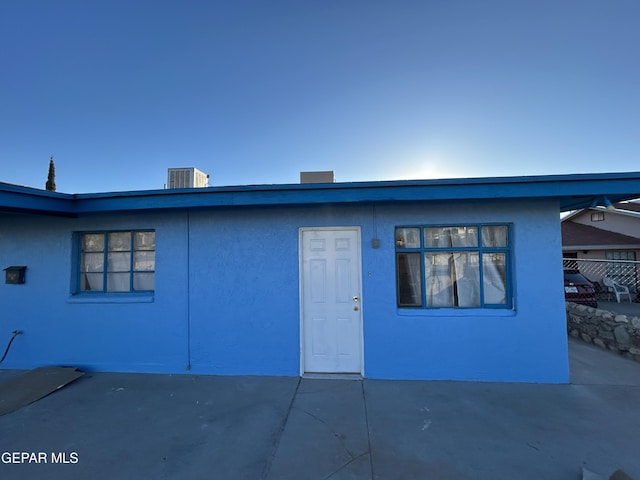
column 623, row 272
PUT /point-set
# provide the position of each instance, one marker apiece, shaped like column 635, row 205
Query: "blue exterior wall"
column 145, row 334
column 527, row 343
column 227, row 297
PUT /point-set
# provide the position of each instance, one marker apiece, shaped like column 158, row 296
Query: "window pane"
column 118, row 282
column 494, row 269
column 452, row 279
column 92, row 262
column 448, row 237
column 144, row 260
column 93, row 242
column 119, row 241
column 119, row 261
column 143, row 281
column 466, row 279
column 437, row 237
column 144, row 240
column 409, row 278
column 408, row 237
column 495, row 236
column 464, row 236
column 439, row 279
column 91, row 282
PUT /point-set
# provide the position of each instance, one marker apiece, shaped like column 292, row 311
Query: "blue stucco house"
column 428, row 279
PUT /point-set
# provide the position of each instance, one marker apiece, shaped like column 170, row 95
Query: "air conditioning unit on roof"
column 186, row 178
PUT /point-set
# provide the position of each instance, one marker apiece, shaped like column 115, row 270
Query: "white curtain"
column 494, row 236
column 92, row 271
column 453, row 279
column 118, row 276
column 118, row 282
column 467, row 279
column 494, row 272
column 438, row 277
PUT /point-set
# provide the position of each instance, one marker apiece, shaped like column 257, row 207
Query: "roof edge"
column 530, row 179
column 570, row 191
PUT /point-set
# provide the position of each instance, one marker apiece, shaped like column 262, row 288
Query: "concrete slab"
column 151, row 427
column 125, row 426
column 326, row 433
column 457, row 430
column 592, row 365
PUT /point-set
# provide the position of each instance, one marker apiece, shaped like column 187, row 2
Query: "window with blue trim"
column 458, row 266
column 117, row 261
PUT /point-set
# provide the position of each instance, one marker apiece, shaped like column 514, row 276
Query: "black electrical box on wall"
column 14, row 275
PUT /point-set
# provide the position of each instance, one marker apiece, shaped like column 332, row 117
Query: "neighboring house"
column 436, row 279
column 599, row 234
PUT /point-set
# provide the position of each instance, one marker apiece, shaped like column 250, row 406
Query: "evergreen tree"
column 51, row 179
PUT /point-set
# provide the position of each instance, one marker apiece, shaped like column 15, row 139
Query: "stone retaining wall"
column 618, row 333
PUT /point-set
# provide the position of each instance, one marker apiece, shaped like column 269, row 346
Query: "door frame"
column 301, row 230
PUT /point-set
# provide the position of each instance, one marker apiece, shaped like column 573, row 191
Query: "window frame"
column 78, row 263
column 479, row 249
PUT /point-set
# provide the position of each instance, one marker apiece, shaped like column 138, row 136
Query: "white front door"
column 331, row 310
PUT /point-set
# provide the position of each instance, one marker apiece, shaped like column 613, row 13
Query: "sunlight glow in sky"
column 254, row 91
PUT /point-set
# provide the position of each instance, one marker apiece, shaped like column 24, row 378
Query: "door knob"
column 355, row 298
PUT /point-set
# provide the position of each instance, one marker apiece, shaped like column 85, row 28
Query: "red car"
column 578, row 289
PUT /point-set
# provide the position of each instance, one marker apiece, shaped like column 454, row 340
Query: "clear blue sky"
column 256, row 91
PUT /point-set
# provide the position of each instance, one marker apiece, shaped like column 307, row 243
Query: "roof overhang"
column 18, row 199
column 571, row 192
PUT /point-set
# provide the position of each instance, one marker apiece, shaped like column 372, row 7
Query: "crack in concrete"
column 283, row 424
column 333, row 432
column 352, row 456
column 342, row 467
column 366, row 421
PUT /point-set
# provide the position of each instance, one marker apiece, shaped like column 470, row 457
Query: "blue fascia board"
column 570, row 191
column 16, row 198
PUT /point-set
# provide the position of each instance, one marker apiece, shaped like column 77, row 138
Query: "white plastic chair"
column 614, row 287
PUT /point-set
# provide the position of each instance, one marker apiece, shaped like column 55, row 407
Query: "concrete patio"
column 130, row 426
